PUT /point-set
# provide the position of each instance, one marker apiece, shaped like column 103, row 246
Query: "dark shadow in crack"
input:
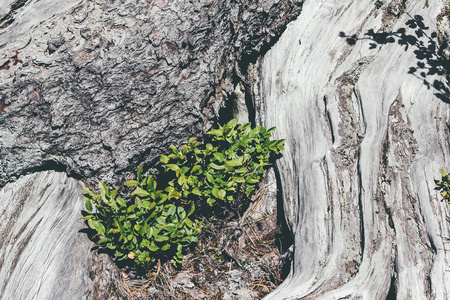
column 428, row 52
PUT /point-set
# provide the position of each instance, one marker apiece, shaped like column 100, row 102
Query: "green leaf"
column 216, row 132
column 192, row 209
column 169, row 189
column 195, row 168
column 151, row 184
column 192, row 180
column 111, row 246
column 150, row 205
column 443, row 172
column 139, row 172
column 171, row 227
column 172, row 210
column 184, row 169
column 121, row 202
column 114, row 193
column 165, row 247
column 173, row 167
column 153, row 247
column 233, row 163
column 164, row 159
column 150, row 232
column 192, row 140
column 88, row 191
column 192, row 239
column 161, row 220
column 145, row 243
column 241, row 170
column 92, row 224
column 161, row 238
column 132, row 208
column 216, row 167
column 196, row 191
column 184, row 149
column 138, row 202
column 181, row 212
column 239, row 179
column 103, row 191
column 232, row 123
column 163, row 198
column 174, row 149
column 181, row 179
column 131, row 183
column 97, row 226
column 252, row 180
column 215, row 192
column 219, row 156
column 262, row 130
column 145, row 180
column 210, row 177
column 222, row 194
column 140, row 192
column 270, row 130
column 88, row 205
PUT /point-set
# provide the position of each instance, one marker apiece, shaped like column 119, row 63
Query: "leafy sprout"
column 158, row 220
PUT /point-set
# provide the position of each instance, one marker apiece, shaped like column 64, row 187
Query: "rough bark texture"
column 108, row 85
column 94, row 89
column 358, row 89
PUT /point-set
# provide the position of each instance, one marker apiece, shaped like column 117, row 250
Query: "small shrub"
column 229, row 165
column 144, row 229
column 154, row 223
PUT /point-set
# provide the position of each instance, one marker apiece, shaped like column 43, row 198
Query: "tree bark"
column 108, row 85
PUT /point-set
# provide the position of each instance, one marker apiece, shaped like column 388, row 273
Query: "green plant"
column 144, row 229
column 444, row 184
column 153, row 223
column 229, row 165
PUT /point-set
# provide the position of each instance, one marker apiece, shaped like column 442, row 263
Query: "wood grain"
column 366, row 137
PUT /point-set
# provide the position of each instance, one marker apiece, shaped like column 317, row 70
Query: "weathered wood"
column 42, row 253
column 366, row 137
